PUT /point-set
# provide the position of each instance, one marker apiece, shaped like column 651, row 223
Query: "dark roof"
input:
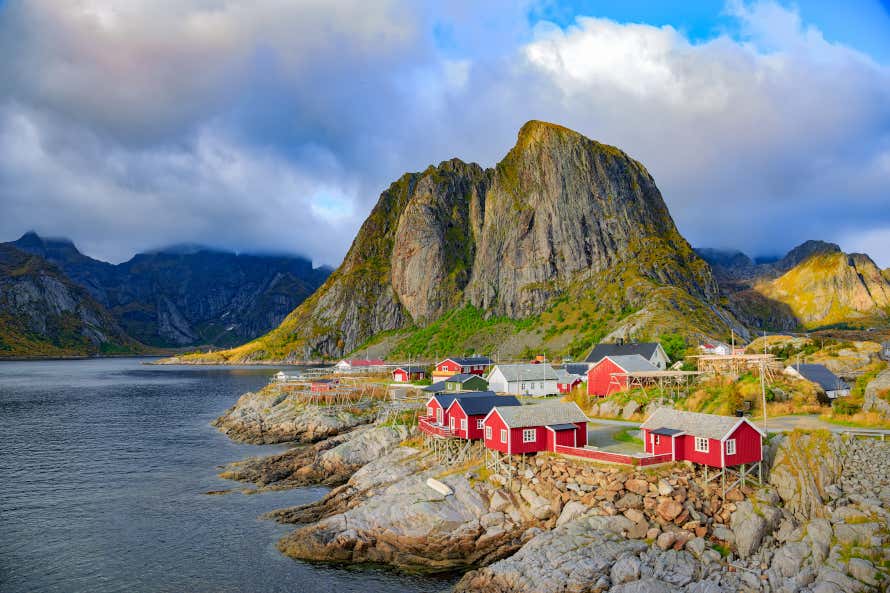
column 470, row 360
column 558, row 427
column 445, row 399
column 480, row 406
column 820, row 375
column 577, row 368
column 667, row 431
column 633, row 363
column 435, row 387
column 644, row 349
column 697, row 424
column 462, row 378
column 411, row 368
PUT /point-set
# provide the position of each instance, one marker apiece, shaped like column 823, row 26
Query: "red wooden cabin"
column 437, row 405
column 466, row 415
column 408, row 373
column 567, row 382
column 516, row 430
column 608, row 376
column 707, row 439
column 472, row 365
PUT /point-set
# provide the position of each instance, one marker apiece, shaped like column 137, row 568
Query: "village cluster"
column 474, row 401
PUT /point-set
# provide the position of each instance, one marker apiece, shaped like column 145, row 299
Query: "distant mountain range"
column 182, row 296
column 815, row 285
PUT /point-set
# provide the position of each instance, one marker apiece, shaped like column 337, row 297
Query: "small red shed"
column 468, row 414
column 323, row 385
column 517, row 430
column 408, row 373
column 609, row 375
column 706, row 439
column 471, row 365
column 565, row 381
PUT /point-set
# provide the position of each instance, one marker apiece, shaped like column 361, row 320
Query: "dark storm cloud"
column 274, row 125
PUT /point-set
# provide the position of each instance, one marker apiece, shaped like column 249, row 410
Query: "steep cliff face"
column 43, row 313
column 559, row 215
column 562, row 208
column 184, row 296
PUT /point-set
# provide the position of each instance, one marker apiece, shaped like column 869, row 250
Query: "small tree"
column 674, row 346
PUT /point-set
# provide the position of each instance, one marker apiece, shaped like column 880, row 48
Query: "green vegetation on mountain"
column 44, row 314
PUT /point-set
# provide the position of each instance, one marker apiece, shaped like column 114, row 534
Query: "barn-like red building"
column 609, row 375
column 706, row 439
column 466, row 415
column 517, row 430
column 408, row 373
column 323, row 385
column 471, row 365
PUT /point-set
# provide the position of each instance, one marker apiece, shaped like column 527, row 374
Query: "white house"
column 715, row 348
column 523, row 379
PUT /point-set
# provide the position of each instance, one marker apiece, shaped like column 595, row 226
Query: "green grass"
column 624, row 436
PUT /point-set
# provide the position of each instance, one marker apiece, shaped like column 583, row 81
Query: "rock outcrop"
column 557, row 213
column 877, row 395
column 267, row 417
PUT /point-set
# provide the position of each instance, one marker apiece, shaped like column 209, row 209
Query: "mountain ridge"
column 559, row 216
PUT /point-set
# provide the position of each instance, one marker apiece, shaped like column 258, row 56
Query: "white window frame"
column 488, row 432
column 730, row 447
column 504, row 435
column 451, row 423
column 463, row 424
column 657, row 439
column 429, row 411
column 702, row 445
column 480, row 423
column 529, row 435
column 440, row 415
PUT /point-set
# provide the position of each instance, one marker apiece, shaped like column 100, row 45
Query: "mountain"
column 815, row 285
column 187, row 295
column 43, row 313
column 564, row 241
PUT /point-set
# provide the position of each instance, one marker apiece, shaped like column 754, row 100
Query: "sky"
column 272, row 126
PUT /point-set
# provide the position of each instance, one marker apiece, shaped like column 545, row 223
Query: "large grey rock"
column 872, row 400
column 571, row 511
column 804, row 465
column 625, row 570
column 749, row 528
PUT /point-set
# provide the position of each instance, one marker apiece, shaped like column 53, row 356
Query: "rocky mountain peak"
column 804, row 251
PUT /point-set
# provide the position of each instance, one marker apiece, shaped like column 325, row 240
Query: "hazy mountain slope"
column 814, row 285
column 188, row 296
column 44, row 314
column 559, row 216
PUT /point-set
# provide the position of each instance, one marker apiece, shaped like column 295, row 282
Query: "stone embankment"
column 268, row 417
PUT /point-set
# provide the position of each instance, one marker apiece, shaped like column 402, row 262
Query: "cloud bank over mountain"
column 273, row 126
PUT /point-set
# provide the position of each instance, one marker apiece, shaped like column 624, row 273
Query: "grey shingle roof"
column 527, row 372
column 411, row 368
column 711, row 426
column 563, row 376
column 644, row 349
column 577, row 368
column 462, row 378
column 479, row 406
column 820, row 375
column 633, row 363
column 435, row 387
column 543, row 414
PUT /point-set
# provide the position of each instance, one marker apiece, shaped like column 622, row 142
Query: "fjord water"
column 104, row 469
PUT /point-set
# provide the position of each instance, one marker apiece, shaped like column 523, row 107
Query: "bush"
column 845, row 407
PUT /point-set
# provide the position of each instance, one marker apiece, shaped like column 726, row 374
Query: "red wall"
column 747, row 446
column 453, row 367
column 711, row 458
column 399, row 375
column 496, row 424
column 599, row 378
column 457, row 412
column 434, row 404
column 663, row 446
column 540, row 444
column 567, row 387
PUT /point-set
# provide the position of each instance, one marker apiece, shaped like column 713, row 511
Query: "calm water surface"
column 104, row 466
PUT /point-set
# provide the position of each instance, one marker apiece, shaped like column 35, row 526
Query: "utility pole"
column 763, row 393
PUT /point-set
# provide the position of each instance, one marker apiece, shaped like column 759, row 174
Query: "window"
column 701, row 445
column 503, row 435
column 488, row 432
column 451, row 422
column 529, row 435
column 657, row 439
column 429, row 411
column 463, row 424
column 479, row 424
column 730, row 447
column 439, row 415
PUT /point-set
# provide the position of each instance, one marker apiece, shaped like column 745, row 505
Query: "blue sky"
column 270, row 126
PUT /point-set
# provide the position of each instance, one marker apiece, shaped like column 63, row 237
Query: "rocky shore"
column 819, row 524
column 268, row 417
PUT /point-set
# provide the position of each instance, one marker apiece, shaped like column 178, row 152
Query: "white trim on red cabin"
column 739, row 423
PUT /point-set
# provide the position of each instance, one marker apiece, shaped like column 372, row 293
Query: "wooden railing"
column 425, row 425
